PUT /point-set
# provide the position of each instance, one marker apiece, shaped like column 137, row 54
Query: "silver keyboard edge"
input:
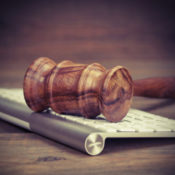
column 92, row 143
column 71, row 133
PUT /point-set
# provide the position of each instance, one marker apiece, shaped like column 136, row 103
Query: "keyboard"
column 87, row 135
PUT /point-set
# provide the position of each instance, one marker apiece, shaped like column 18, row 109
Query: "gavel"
column 88, row 90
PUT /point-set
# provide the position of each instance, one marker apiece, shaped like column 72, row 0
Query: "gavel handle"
column 155, row 87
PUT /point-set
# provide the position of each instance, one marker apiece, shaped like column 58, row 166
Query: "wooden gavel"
column 87, row 90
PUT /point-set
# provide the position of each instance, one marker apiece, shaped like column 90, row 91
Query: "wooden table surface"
column 138, row 35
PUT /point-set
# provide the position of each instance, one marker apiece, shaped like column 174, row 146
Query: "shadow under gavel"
column 88, row 90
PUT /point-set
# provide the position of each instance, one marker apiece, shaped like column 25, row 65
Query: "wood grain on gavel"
column 88, row 90
column 78, row 89
column 155, row 87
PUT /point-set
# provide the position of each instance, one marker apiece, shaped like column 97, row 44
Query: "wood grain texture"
column 62, row 87
column 31, row 154
column 117, row 93
column 155, row 87
column 78, row 89
column 88, row 90
column 35, row 92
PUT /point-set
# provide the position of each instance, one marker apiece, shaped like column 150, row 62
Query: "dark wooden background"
column 137, row 34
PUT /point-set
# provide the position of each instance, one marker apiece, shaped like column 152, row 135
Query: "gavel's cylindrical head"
column 78, row 89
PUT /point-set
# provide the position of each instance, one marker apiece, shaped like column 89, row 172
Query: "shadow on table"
column 135, row 144
column 163, row 107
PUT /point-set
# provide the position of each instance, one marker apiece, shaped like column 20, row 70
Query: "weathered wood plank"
column 32, row 154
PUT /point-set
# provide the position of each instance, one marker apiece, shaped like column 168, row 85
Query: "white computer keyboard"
column 136, row 124
column 135, row 120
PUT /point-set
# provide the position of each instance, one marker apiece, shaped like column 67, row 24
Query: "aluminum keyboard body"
column 87, row 135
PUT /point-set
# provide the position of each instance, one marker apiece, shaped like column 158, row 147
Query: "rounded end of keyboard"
column 94, row 144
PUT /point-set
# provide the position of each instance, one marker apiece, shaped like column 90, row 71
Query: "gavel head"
column 78, row 89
